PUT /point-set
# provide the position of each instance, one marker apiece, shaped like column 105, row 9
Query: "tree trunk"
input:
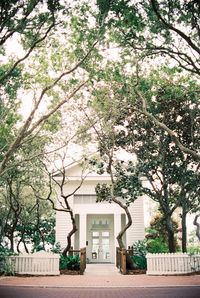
column 26, row 248
column 22, row 241
column 11, row 238
column 184, row 231
column 171, row 241
column 69, row 236
column 197, row 225
column 170, row 234
column 129, row 261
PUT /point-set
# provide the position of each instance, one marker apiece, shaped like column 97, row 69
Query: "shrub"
column 139, row 254
column 140, row 261
column 6, row 266
column 157, row 246
column 193, row 250
column 70, row 262
column 139, row 248
column 56, row 249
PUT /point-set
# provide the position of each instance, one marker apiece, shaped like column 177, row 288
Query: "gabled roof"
column 76, row 171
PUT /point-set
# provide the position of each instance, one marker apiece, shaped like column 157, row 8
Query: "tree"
column 23, row 218
column 153, row 29
column 124, row 187
column 123, row 190
column 37, row 230
column 58, row 197
column 156, row 29
column 171, row 174
column 32, row 20
column 157, row 238
column 46, row 77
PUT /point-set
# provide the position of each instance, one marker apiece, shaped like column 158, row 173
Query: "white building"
column 98, row 223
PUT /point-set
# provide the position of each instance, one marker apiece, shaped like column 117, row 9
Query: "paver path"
column 102, row 276
column 101, row 270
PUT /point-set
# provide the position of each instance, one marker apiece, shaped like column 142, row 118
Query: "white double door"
column 100, row 239
column 100, row 246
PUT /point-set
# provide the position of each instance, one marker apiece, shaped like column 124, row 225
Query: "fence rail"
column 39, row 263
column 172, row 263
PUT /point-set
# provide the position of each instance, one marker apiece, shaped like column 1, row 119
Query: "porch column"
column 83, row 230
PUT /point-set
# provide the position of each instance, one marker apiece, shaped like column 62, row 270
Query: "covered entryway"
column 100, row 238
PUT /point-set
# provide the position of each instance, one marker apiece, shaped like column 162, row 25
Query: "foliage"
column 55, row 39
column 193, row 244
column 157, row 245
column 70, row 262
column 139, row 254
column 139, row 261
column 25, row 220
column 56, row 248
column 6, row 266
column 156, row 235
column 156, row 29
column 170, row 175
column 139, row 248
column 193, row 250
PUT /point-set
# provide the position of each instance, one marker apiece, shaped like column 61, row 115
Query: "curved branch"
column 163, row 126
column 24, row 130
column 8, row 73
column 179, row 32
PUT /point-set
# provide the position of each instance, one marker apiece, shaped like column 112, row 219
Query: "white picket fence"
column 39, row 263
column 172, row 263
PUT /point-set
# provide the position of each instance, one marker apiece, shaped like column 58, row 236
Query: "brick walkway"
column 101, row 276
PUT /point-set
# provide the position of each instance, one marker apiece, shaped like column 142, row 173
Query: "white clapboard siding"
column 136, row 231
column 172, row 263
column 63, row 224
column 39, row 263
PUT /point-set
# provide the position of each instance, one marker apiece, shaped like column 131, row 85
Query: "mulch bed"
column 70, row 272
column 136, row 271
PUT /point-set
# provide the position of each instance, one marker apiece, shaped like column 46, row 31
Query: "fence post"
column 82, row 260
column 117, row 257
column 130, row 250
column 123, row 261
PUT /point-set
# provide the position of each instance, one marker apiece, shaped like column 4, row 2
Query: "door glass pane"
column 95, row 241
column 105, row 234
column 106, row 252
column 105, row 241
column 95, row 244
